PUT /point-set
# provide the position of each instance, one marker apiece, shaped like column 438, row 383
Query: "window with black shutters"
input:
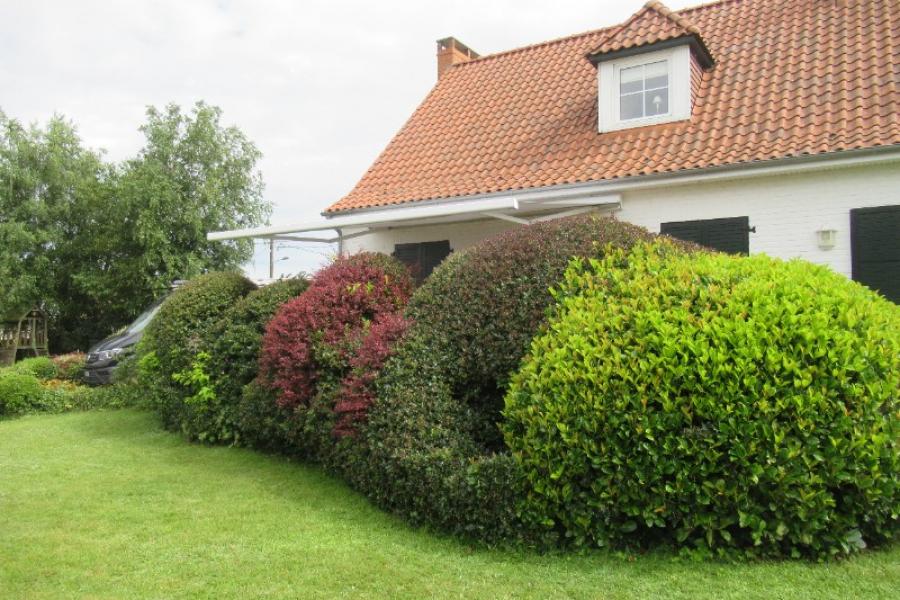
column 422, row 257
column 731, row 235
column 875, row 249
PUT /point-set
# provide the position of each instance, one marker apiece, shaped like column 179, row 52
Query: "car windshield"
column 141, row 322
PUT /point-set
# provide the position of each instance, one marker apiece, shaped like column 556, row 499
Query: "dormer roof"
column 652, row 27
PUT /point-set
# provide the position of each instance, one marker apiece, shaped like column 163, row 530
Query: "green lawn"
column 107, row 505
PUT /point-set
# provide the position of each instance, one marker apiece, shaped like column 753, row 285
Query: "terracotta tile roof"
column 653, row 23
column 792, row 77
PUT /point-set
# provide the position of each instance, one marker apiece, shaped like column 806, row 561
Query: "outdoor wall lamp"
column 826, row 238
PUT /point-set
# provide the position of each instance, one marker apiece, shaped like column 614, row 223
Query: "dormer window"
column 649, row 69
column 644, row 90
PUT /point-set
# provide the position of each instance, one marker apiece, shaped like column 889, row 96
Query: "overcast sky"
column 320, row 86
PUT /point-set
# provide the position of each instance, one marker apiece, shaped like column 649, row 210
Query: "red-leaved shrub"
column 316, row 334
column 357, row 389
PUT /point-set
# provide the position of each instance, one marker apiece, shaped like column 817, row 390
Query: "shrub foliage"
column 357, row 388
column 30, row 387
column 70, row 366
column 177, row 334
column 41, row 367
column 20, row 392
column 432, row 450
column 711, row 402
column 231, row 361
column 312, row 339
column 480, row 310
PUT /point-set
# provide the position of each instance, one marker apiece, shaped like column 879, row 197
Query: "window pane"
column 630, row 106
column 656, row 75
column 657, row 82
column 631, row 79
column 655, row 69
column 657, row 102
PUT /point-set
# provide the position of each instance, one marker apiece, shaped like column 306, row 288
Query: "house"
column 745, row 125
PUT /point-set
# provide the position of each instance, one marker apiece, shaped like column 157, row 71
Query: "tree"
column 96, row 242
column 45, row 174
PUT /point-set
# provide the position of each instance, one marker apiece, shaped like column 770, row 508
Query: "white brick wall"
column 786, row 211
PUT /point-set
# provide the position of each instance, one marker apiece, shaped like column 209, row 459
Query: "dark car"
column 104, row 356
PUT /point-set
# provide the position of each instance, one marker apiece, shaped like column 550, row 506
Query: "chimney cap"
column 451, row 43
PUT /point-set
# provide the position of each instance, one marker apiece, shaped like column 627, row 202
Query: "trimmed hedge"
column 481, row 308
column 711, row 402
column 357, row 389
column 419, row 454
column 175, row 337
column 232, row 346
column 310, row 342
column 261, row 423
column 431, row 450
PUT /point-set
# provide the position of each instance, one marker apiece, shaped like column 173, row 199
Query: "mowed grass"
column 107, row 505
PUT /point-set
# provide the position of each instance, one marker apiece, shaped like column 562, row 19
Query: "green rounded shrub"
column 173, row 341
column 20, row 392
column 481, row 308
column 431, row 449
column 41, row 367
column 232, row 344
column 711, row 402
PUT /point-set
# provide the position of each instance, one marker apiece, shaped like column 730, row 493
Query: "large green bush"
column 174, row 339
column 232, row 345
column 41, row 367
column 431, row 449
column 20, row 392
column 711, row 402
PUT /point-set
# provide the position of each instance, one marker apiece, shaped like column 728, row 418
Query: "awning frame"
column 522, row 211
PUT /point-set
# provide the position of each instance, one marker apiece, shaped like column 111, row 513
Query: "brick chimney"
column 450, row 51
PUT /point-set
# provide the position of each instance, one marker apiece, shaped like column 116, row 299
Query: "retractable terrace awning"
column 523, row 210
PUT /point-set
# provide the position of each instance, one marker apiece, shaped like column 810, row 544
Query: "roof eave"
column 789, row 164
column 698, row 48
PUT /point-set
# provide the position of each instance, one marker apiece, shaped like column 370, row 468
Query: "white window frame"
column 678, row 62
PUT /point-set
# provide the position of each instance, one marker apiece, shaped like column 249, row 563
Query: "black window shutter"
column 433, row 254
column 731, row 235
column 688, row 231
column 422, row 258
column 875, row 249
